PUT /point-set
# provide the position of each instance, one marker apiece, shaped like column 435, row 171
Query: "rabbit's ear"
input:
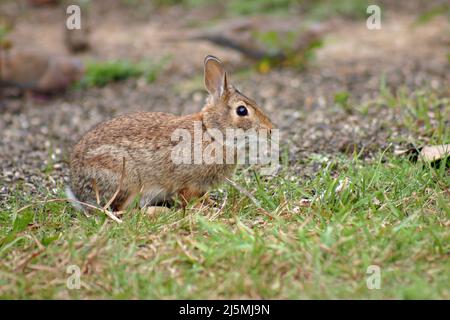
column 215, row 77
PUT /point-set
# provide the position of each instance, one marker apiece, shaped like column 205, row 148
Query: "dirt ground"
column 36, row 136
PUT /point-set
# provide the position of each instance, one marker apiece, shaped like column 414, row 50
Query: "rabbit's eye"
column 242, row 111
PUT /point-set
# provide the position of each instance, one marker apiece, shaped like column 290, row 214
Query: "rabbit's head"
column 227, row 108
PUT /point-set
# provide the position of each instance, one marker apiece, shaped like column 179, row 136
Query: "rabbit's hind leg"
column 102, row 188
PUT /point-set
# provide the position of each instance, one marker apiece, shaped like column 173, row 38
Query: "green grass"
column 5, row 29
column 99, row 74
column 433, row 12
column 275, row 42
column 391, row 213
column 236, row 7
column 342, row 100
column 265, row 6
column 317, row 9
column 423, row 113
column 325, row 9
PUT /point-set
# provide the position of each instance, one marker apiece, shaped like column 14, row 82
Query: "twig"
column 118, row 187
column 108, row 213
column 25, row 262
column 97, row 193
column 186, row 252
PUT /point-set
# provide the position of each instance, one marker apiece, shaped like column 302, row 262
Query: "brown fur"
column 38, row 72
column 143, row 142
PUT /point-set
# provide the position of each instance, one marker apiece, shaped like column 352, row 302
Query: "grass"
column 316, row 10
column 265, row 6
column 393, row 214
column 278, row 43
column 325, row 9
column 235, row 7
column 342, row 99
column 5, row 29
column 423, row 113
column 99, row 74
column 388, row 212
column 433, row 12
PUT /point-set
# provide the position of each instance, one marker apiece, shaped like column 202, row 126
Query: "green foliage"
column 324, row 9
column 99, row 74
column 314, row 9
column 250, row 7
column 237, row 7
column 435, row 11
column 4, row 31
column 284, row 44
column 342, row 99
column 275, row 41
column 421, row 112
column 317, row 10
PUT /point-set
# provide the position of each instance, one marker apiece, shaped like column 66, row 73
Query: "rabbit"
column 38, row 71
column 130, row 156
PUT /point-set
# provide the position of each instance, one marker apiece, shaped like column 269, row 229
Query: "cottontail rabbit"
column 130, row 155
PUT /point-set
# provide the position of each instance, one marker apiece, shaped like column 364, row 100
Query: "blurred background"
column 330, row 84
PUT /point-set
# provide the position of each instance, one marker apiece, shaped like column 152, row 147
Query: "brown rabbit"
column 130, row 155
column 38, row 72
